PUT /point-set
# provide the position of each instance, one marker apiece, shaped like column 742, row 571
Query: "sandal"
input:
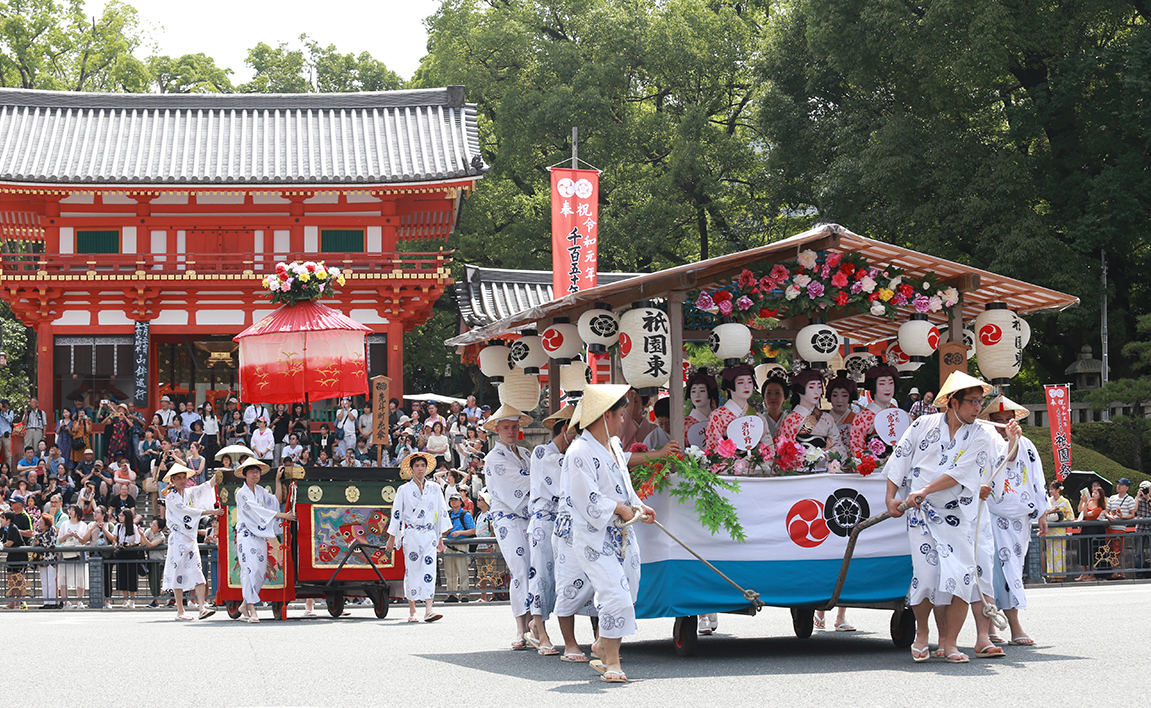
column 413, row 618
column 957, row 658
column 574, row 658
column 598, row 666
column 433, row 617
column 183, row 617
column 819, row 623
column 531, row 639
column 938, row 653
column 206, row 613
column 845, row 627
column 613, row 677
column 309, row 613
column 920, row 655
column 548, row 651
column 519, row 644
column 990, row 652
column 996, row 638
column 253, row 620
column 1023, row 641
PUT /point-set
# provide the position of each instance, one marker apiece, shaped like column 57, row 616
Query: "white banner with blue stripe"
column 797, row 529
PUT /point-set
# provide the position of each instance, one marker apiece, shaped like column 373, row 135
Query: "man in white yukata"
column 937, row 468
column 546, row 462
column 1018, row 498
column 600, row 490
column 185, row 505
column 419, row 521
column 256, row 512
column 508, row 477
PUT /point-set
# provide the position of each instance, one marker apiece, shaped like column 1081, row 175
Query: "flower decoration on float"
column 294, row 282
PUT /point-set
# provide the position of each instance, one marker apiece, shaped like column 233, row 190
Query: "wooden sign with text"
column 380, row 386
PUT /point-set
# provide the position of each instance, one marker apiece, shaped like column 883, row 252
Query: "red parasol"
column 303, row 349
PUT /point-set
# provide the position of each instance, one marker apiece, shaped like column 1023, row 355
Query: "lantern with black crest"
column 561, row 341
column 495, row 362
column 528, row 353
column 731, row 342
column 858, row 362
column 817, row 343
column 644, row 343
column 599, row 328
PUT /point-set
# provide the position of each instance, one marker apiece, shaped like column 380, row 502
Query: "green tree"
column 191, row 73
column 54, row 46
column 278, row 70
column 315, row 69
column 14, row 384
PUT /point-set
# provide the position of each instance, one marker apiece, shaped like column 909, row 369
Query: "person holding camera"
column 34, row 421
column 346, row 426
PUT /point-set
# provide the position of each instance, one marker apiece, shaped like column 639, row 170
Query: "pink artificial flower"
column 704, row 302
column 746, row 279
column 833, row 259
column 727, row 449
column 877, row 446
column 725, row 308
column 839, row 280
column 856, row 288
column 824, row 271
column 637, row 447
column 766, row 452
column 900, row 299
column 815, row 289
column 779, row 273
column 287, row 286
column 921, row 303
column 744, row 303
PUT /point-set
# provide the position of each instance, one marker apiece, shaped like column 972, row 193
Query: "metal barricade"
column 1090, row 550
column 94, row 576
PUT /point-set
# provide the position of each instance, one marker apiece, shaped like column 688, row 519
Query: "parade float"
column 749, row 524
column 305, row 351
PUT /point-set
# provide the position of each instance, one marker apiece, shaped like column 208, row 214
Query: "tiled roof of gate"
column 57, row 137
column 487, row 295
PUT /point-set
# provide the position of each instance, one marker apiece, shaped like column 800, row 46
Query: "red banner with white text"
column 1059, row 415
column 575, row 230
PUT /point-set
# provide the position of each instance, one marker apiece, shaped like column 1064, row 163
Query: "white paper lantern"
column 520, row 391
column 1026, row 331
column 730, row 342
column 561, row 341
column 817, row 344
column 599, row 328
column 999, row 343
column 574, row 378
column 918, row 338
column 969, row 340
column 900, row 360
column 858, row 362
column 494, row 362
column 528, row 353
column 644, row 341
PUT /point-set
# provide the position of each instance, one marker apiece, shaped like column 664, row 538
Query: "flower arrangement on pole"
column 294, row 282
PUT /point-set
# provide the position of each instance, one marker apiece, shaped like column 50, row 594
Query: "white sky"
column 392, row 31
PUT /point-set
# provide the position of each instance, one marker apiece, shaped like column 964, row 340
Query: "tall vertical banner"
column 140, row 346
column 380, row 428
column 1059, row 415
column 575, row 230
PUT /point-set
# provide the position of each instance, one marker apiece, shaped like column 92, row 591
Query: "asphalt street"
column 1086, row 635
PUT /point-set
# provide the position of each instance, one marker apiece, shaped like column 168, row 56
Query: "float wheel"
column 903, row 627
column 335, row 603
column 685, row 634
column 280, row 610
column 803, row 621
column 233, row 608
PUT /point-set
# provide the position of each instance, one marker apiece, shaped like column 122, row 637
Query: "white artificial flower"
column 877, row 308
column 868, row 284
column 807, row 259
column 792, row 292
column 802, row 280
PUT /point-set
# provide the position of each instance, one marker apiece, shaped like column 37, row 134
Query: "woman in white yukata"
column 256, row 509
column 601, row 490
column 508, row 477
column 937, row 468
column 1018, row 499
column 419, row 521
column 185, row 505
column 546, row 462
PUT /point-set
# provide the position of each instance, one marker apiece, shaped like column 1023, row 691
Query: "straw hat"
column 1003, row 404
column 406, row 463
column 597, row 399
column 505, row 412
column 959, row 381
column 564, row 413
column 248, row 463
column 175, row 470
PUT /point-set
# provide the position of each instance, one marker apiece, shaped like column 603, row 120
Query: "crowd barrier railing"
column 1089, row 550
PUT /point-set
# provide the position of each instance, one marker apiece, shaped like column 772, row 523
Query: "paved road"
column 1086, row 635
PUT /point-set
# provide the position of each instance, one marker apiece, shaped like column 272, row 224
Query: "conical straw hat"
column 250, row 462
column 597, row 399
column 564, row 413
column 959, row 381
column 503, row 413
column 1003, row 404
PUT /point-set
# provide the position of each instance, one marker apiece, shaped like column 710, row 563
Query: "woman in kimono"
column 806, row 423
column 880, row 383
column 419, row 521
column 545, row 477
column 600, row 491
column 771, row 381
column 704, row 395
column 256, row 509
column 1016, row 500
column 508, row 476
column 185, row 506
column 841, row 393
column 937, row 468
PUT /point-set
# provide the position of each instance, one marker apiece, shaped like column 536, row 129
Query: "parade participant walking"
column 1016, row 501
column 545, row 477
column 256, row 509
column 185, row 505
column 419, row 520
column 601, row 490
column 508, row 477
column 937, row 468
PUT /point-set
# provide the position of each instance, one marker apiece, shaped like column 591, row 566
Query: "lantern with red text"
column 494, row 362
column 528, row 353
column 520, row 391
column 561, row 341
column 730, row 342
column 918, row 338
column 599, row 327
column 999, row 343
column 644, row 342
